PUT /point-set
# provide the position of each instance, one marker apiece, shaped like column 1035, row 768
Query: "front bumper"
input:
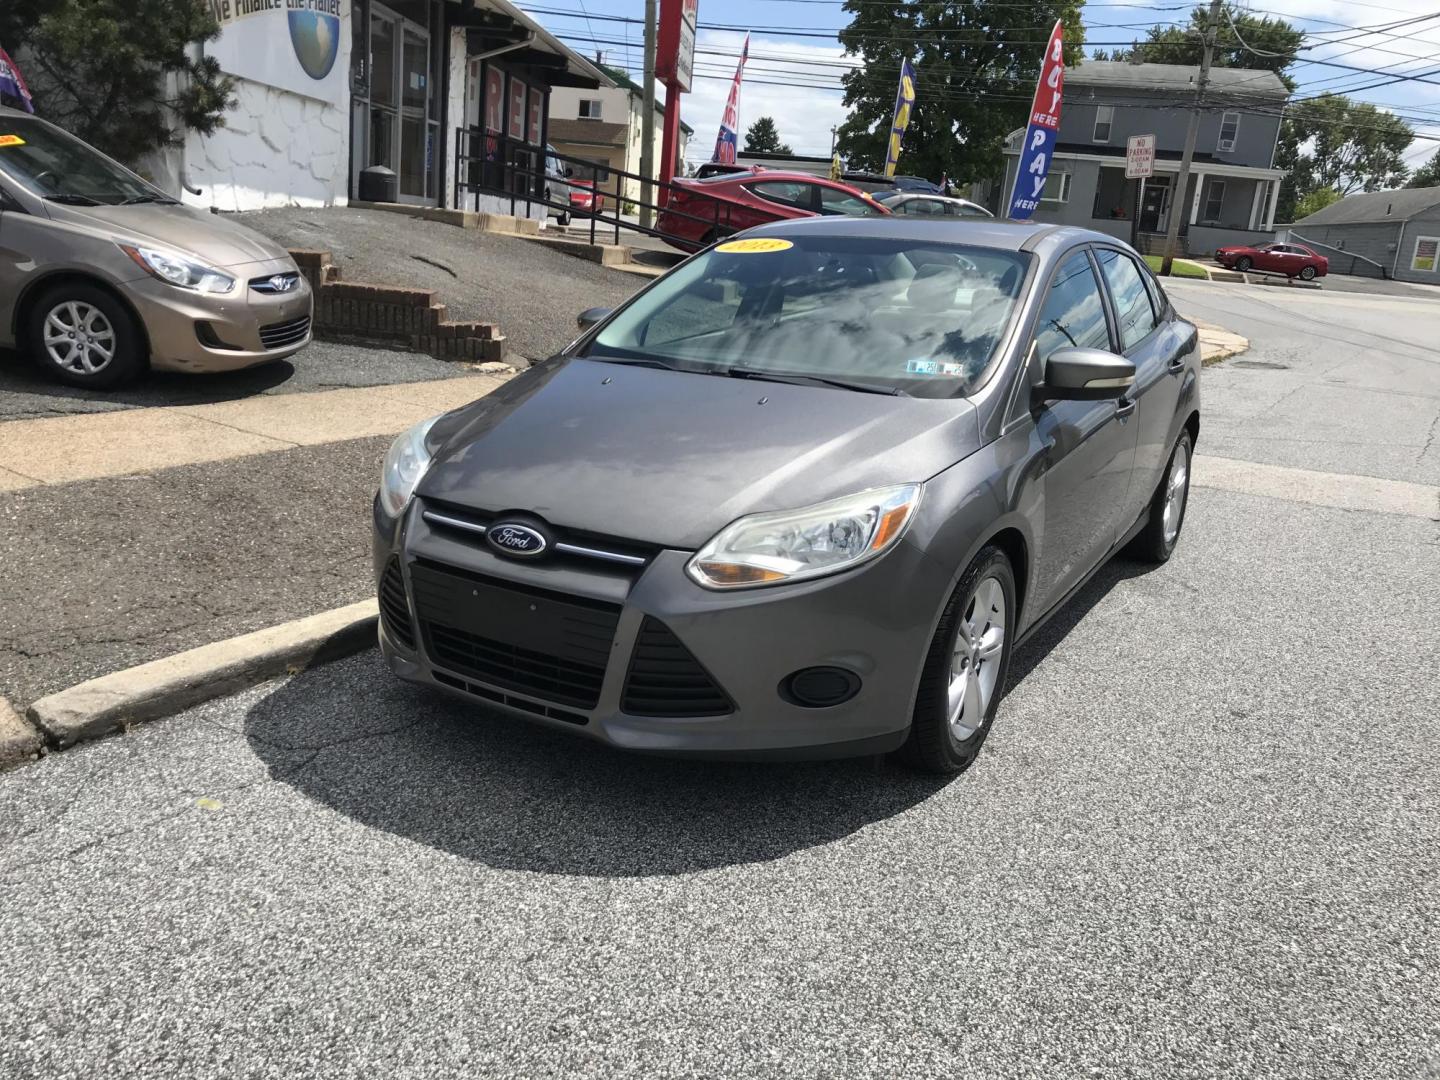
column 199, row 332
column 875, row 621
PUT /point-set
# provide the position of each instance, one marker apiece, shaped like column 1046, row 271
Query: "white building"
column 325, row 91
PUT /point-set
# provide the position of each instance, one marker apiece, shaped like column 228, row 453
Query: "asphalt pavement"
column 1202, row 841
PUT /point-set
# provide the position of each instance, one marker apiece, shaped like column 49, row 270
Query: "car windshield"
column 53, row 165
column 889, row 314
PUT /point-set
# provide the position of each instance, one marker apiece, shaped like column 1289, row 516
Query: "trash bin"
column 379, row 184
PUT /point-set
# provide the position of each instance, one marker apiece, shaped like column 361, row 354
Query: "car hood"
column 670, row 457
column 213, row 239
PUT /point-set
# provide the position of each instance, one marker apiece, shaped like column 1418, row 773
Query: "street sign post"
column 1139, row 165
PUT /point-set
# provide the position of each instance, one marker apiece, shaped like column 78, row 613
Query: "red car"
column 584, row 199
column 702, row 211
column 1292, row 260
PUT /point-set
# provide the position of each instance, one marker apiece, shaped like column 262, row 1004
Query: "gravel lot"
column 1203, row 841
column 532, row 292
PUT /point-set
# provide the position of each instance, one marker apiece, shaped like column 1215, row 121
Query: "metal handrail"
column 1354, row 257
column 513, row 173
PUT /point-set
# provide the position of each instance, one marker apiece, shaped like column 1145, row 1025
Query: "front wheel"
column 1307, row 274
column 965, row 668
column 1156, row 541
column 1244, row 263
column 85, row 337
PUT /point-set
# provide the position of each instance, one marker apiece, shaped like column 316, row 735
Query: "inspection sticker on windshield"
column 753, row 247
column 933, row 367
column 16, row 140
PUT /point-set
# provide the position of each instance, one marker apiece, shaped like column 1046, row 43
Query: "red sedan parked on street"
column 1292, row 260
column 702, row 211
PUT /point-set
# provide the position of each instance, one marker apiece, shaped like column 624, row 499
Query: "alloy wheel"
column 975, row 664
column 79, row 338
column 1176, row 488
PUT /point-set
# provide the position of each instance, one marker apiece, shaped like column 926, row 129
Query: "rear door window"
column 841, row 202
column 1073, row 315
column 785, row 192
column 1133, row 306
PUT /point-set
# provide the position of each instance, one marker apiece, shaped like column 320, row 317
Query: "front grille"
column 515, row 637
column 469, row 525
column 280, row 334
column 666, row 680
column 276, row 283
column 579, row 719
column 395, row 608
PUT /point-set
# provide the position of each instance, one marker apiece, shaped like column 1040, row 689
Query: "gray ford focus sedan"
column 800, row 497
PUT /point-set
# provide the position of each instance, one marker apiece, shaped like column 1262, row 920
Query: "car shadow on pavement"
column 20, row 375
column 469, row 781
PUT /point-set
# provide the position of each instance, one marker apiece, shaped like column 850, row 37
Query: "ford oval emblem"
column 512, row 538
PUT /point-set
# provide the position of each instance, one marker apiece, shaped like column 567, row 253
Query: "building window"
column 589, row 108
column 1104, row 114
column 1229, row 128
column 1425, row 255
column 1214, row 200
column 1057, row 188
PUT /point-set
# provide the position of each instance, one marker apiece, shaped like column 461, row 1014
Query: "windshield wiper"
column 812, row 380
column 635, row 361
column 73, row 200
column 147, row 198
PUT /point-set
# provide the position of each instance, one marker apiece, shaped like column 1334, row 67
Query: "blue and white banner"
column 12, row 82
column 1038, row 148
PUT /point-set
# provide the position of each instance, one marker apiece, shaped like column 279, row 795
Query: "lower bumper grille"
column 515, row 637
column 395, row 608
column 280, row 334
column 665, row 679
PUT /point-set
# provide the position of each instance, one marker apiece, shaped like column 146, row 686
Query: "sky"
column 1357, row 33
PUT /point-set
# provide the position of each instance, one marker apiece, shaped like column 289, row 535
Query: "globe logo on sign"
column 316, row 38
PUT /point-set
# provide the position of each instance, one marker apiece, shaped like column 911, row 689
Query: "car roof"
column 979, row 232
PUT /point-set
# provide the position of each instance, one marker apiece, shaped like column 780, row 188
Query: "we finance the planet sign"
column 252, row 41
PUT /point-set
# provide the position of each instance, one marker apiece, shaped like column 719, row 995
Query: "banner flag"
column 727, row 142
column 904, row 102
column 1039, row 145
column 13, row 83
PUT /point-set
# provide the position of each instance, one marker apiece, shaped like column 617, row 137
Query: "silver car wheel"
column 79, row 338
column 1176, row 487
column 975, row 665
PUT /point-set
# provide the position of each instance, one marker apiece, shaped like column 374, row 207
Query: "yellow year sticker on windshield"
column 11, row 140
column 753, row 247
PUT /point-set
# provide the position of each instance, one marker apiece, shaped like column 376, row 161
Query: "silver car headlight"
column 793, row 545
column 405, row 463
column 175, row 269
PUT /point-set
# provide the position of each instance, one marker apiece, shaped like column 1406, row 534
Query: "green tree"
column 1316, row 200
column 1346, row 145
column 1272, row 43
column 976, row 63
column 1428, row 175
column 762, row 138
column 120, row 74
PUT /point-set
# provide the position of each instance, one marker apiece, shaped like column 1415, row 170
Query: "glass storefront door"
column 414, row 93
column 398, row 125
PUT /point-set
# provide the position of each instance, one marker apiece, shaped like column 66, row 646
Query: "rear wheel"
column 1156, row 541
column 85, row 337
column 1307, row 274
column 1243, row 263
column 965, row 668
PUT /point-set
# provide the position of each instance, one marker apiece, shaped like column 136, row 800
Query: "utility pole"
column 647, row 121
column 1180, row 202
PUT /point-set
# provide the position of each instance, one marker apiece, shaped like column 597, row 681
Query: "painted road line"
column 65, row 449
column 1341, row 490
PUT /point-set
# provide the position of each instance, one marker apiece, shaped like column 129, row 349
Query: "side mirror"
column 590, row 316
column 1084, row 375
column 569, row 172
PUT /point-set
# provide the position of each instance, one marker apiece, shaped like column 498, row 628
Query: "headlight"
column 792, row 545
column 405, row 464
column 179, row 271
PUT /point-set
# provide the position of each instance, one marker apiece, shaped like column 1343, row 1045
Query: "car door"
column 837, row 201
column 1272, row 258
column 1088, row 447
column 1158, row 347
column 13, row 263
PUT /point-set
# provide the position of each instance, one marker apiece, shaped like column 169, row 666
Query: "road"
column 1204, row 839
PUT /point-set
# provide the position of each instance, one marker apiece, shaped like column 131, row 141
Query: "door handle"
column 1124, row 407
column 1177, row 364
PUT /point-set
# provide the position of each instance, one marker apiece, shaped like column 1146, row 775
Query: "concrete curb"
column 165, row 687
column 19, row 742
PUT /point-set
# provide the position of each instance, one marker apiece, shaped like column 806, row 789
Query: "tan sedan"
column 103, row 275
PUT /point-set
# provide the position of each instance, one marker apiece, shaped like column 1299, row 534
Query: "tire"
column 1155, row 542
column 1244, row 263
column 1307, row 274
column 93, row 311
column 935, row 743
